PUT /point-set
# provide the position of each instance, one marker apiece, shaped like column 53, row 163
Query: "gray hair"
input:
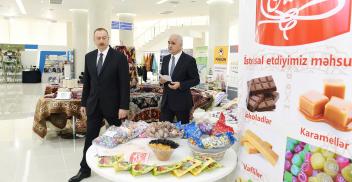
column 178, row 37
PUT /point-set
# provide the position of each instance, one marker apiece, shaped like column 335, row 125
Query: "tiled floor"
column 24, row 156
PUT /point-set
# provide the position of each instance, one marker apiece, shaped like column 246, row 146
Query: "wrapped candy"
column 327, row 154
column 190, row 130
column 317, row 161
column 339, row 178
column 306, row 148
column 298, row 148
column 287, row 176
column 113, row 136
column 136, row 128
column 289, row 155
column 307, row 157
column 307, row 169
column 302, row 144
column 161, row 130
column 347, row 172
column 290, row 146
column 213, row 142
column 342, row 162
column 205, row 128
column 313, row 179
column 324, row 177
column 287, row 165
column 331, row 167
column 302, row 177
column 221, row 127
column 297, row 160
column 302, row 154
column 295, row 170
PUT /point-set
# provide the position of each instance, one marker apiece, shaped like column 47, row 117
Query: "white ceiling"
column 144, row 9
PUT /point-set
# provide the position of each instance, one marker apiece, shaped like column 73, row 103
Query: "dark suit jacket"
column 185, row 72
column 110, row 90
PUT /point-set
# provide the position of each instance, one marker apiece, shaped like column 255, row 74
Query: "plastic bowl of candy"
column 214, row 153
column 163, row 148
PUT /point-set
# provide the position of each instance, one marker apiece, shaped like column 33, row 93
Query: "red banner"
column 298, row 22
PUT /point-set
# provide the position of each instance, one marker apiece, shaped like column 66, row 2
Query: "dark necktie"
column 100, row 63
column 172, row 65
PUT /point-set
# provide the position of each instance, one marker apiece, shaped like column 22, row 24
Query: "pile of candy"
column 229, row 114
column 214, row 141
column 137, row 128
column 117, row 135
column 161, row 130
column 305, row 163
column 208, row 136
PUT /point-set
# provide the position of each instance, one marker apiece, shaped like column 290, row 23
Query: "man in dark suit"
column 106, row 92
column 182, row 68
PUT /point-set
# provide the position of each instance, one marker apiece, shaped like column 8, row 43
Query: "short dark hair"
column 101, row 29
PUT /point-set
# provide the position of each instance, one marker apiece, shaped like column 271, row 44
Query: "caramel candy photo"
column 330, row 107
column 338, row 112
column 334, row 87
column 312, row 103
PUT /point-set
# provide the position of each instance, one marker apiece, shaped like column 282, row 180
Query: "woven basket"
column 216, row 154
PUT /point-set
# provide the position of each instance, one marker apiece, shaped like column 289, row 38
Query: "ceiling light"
column 226, row 1
column 21, row 6
column 126, row 14
column 162, row 1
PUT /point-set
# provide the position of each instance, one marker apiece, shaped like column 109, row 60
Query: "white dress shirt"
column 177, row 57
column 105, row 52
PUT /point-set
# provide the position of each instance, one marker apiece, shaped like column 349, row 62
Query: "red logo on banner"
column 297, row 22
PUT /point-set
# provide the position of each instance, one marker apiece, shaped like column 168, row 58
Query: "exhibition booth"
column 273, row 103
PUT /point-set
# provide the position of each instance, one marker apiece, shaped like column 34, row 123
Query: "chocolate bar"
column 254, row 101
column 261, row 85
column 266, row 105
column 271, row 96
column 262, row 94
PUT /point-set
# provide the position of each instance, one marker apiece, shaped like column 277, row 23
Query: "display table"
column 229, row 163
column 31, row 77
column 57, row 112
column 145, row 102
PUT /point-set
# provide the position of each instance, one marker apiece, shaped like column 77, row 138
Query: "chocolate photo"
column 262, row 94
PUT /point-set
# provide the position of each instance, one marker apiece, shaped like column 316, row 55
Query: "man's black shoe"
column 79, row 176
